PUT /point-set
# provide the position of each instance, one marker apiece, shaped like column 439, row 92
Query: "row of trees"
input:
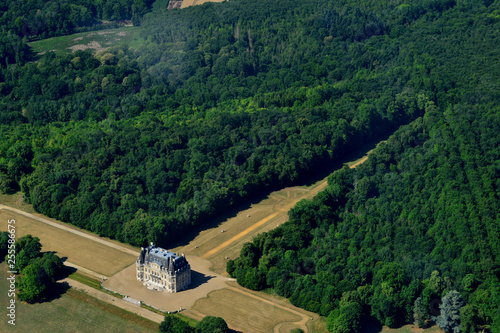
column 38, row 272
column 223, row 101
column 37, row 19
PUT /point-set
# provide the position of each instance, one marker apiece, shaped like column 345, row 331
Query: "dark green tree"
column 211, row 324
column 345, row 319
column 33, row 283
column 4, row 243
column 449, row 318
column 419, row 313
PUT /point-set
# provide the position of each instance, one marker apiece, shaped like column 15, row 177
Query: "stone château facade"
column 161, row 269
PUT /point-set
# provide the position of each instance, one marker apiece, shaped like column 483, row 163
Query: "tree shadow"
column 56, row 291
column 370, row 325
column 215, row 221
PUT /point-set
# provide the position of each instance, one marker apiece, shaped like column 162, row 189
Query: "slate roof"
column 164, row 258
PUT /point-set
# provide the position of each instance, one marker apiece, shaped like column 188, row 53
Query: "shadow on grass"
column 56, row 291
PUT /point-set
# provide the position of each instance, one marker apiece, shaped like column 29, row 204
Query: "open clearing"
column 94, row 40
column 72, row 312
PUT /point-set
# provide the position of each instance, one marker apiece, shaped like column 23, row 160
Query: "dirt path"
column 76, row 232
column 361, row 161
column 85, row 270
column 240, row 235
column 267, row 217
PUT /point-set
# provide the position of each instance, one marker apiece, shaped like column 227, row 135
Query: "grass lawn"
column 95, row 40
column 74, row 311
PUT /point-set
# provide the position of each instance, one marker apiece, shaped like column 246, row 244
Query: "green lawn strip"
column 85, row 280
column 192, row 322
column 93, row 283
column 129, row 316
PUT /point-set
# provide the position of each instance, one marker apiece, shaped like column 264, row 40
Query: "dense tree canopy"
column 210, row 324
column 172, row 324
column 137, row 144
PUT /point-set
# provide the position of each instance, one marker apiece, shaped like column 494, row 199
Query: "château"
column 161, row 269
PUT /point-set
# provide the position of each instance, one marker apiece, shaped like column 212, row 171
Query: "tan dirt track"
column 305, row 194
column 238, row 236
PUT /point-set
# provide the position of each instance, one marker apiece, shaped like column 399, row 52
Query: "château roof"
column 167, row 259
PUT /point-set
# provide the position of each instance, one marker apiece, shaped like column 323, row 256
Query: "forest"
column 141, row 144
column 223, row 102
column 412, row 235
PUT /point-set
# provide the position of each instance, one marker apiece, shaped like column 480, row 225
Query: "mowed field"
column 94, row 40
column 72, row 312
column 81, row 251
